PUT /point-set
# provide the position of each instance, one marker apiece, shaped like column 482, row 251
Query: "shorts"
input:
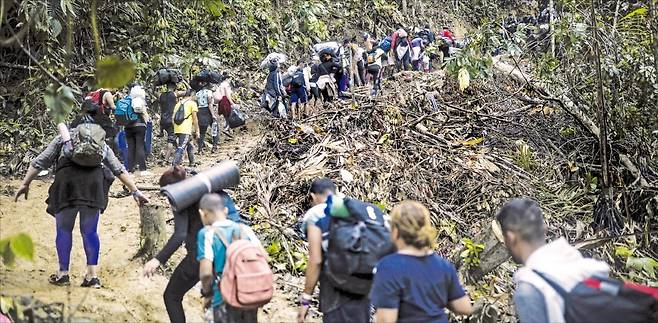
column 298, row 95
column 169, row 129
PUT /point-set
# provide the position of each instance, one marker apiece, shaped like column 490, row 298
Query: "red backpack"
column 247, row 281
column 97, row 98
column 602, row 299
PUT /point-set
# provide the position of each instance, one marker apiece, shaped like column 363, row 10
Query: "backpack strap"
column 559, row 289
column 220, row 235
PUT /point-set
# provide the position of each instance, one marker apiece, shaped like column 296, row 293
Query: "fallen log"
column 493, row 255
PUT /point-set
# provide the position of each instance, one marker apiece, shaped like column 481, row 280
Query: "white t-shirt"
column 313, row 215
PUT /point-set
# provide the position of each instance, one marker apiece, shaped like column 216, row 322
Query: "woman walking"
column 77, row 190
column 415, row 284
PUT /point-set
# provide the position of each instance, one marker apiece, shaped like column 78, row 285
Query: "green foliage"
column 19, row 245
column 59, row 102
column 113, row 72
column 524, row 156
column 471, row 253
column 643, row 267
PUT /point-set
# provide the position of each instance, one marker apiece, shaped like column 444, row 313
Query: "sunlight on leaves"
column 114, row 72
column 59, row 102
column 215, row 7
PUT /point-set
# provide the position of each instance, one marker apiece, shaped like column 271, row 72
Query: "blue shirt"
column 419, row 287
column 210, row 247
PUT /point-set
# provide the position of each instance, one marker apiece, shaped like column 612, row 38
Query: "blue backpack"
column 385, row 44
column 124, row 112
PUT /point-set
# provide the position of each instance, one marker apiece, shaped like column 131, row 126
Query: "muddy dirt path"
column 126, row 295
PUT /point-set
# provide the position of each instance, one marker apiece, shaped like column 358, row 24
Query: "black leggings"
column 136, row 153
column 185, row 276
column 374, row 71
column 361, row 67
column 205, row 121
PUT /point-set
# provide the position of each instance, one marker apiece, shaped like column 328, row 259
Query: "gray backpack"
column 88, row 141
column 202, row 98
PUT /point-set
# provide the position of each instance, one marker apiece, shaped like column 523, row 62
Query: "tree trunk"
column 551, row 28
column 653, row 15
column 153, row 233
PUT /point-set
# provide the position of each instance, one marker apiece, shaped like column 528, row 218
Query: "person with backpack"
column 327, row 70
column 224, row 99
column 186, row 126
column 167, row 102
column 187, row 224
column 417, row 49
column 343, row 288
column 402, row 50
column 221, row 247
column 415, row 284
column 374, row 68
column 80, row 187
column 274, row 90
column 135, row 129
column 299, row 86
column 206, row 115
column 104, row 99
column 313, row 79
column 524, row 232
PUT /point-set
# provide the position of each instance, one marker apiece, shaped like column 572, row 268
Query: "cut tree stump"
column 153, row 233
column 494, row 254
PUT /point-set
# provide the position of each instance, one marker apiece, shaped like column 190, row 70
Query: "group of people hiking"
column 358, row 270
column 334, row 68
column 188, row 117
column 362, row 258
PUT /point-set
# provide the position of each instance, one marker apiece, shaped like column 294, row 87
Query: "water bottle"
column 215, row 129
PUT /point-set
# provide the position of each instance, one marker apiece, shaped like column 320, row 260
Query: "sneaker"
column 93, row 283
column 57, row 280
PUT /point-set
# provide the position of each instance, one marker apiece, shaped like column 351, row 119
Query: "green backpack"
column 88, row 141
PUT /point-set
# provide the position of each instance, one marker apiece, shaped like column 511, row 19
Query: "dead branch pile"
column 422, row 140
column 461, row 154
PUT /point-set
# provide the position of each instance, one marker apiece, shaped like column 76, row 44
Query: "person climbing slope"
column 374, row 68
column 336, row 305
column 212, row 242
column 206, row 115
column 186, row 126
column 167, row 101
column 136, row 131
column 224, row 99
column 415, row 284
column 78, row 189
column 524, row 233
column 274, row 90
column 187, row 224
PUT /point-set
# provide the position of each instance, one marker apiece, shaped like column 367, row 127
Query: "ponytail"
column 412, row 220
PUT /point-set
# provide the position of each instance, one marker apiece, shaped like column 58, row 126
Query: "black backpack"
column 298, row 80
column 179, row 116
column 356, row 244
column 599, row 299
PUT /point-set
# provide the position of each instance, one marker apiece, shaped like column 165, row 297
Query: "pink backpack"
column 247, row 281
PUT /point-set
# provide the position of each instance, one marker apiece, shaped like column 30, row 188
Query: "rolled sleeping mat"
column 189, row 191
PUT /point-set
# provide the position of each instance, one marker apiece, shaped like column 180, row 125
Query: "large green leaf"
column 215, row 7
column 644, row 263
column 21, row 245
column 114, row 72
column 59, row 101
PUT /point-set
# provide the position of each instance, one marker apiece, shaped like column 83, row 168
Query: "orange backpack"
column 247, row 281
